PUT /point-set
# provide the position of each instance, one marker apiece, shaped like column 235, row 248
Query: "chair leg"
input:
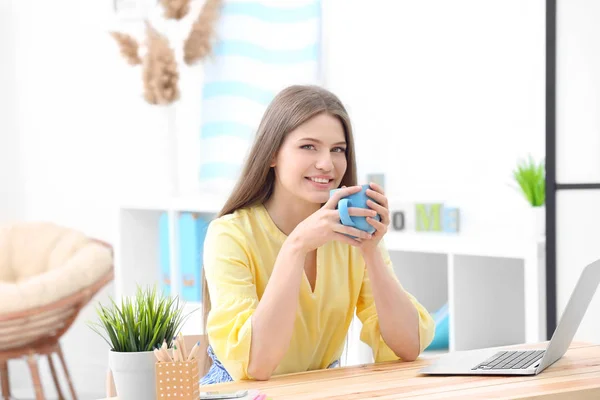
column 67, row 375
column 4, row 383
column 35, row 375
column 55, row 377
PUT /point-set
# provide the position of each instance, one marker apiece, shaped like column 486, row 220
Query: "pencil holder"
column 178, row 380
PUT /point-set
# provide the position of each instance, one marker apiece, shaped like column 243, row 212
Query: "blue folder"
column 192, row 231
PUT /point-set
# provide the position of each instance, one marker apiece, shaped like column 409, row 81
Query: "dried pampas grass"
column 129, row 47
column 175, row 9
column 160, row 73
column 198, row 43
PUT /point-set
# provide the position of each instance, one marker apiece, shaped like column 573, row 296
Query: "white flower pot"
column 133, row 374
column 539, row 221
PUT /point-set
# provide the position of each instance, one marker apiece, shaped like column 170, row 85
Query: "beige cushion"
column 41, row 263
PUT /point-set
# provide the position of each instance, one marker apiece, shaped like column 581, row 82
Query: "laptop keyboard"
column 511, row 360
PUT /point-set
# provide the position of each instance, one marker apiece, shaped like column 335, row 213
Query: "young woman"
column 283, row 274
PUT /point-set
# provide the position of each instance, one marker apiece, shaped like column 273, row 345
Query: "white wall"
column 10, row 191
column 578, row 151
column 445, row 96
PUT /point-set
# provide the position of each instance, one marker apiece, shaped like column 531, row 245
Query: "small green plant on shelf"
column 140, row 323
column 531, row 178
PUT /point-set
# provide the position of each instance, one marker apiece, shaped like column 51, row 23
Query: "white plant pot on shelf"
column 133, row 374
column 539, row 222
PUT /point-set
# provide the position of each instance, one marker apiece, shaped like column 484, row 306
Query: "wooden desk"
column 575, row 376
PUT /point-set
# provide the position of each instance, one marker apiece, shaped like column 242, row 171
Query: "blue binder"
column 192, row 230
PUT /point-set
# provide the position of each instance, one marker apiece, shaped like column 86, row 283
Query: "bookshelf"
column 494, row 286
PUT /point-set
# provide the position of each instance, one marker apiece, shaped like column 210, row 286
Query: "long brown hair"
column 289, row 109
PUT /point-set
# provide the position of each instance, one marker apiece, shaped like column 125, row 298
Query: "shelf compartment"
column 487, row 302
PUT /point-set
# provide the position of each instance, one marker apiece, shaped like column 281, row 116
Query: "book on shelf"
column 192, row 231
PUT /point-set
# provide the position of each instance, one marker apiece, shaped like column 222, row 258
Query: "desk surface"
column 575, row 375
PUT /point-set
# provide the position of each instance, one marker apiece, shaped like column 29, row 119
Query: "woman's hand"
column 381, row 207
column 324, row 225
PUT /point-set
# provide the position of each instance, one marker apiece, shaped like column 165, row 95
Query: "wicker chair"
column 48, row 274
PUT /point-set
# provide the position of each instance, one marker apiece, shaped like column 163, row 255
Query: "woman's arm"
column 402, row 321
column 398, row 317
column 273, row 319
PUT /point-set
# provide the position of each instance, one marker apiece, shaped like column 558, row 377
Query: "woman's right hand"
column 324, row 225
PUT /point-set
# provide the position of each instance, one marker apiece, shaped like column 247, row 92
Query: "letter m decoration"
column 436, row 218
column 428, row 217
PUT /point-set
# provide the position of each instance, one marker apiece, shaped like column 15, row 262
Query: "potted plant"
column 531, row 178
column 133, row 329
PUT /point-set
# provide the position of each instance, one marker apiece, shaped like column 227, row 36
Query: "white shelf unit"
column 137, row 257
column 494, row 286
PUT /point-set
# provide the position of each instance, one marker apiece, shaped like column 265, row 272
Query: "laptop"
column 494, row 361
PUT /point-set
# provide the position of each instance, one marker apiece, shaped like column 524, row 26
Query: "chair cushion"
column 42, row 262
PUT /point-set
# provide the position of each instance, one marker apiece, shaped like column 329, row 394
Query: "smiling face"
column 312, row 159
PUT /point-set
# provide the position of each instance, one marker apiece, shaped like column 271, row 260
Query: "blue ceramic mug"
column 358, row 200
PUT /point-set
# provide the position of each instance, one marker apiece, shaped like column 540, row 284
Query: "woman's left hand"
column 380, row 205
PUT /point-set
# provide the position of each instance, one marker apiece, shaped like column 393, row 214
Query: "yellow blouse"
column 240, row 250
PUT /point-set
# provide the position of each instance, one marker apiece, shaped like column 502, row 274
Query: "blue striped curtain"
column 262, row 47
